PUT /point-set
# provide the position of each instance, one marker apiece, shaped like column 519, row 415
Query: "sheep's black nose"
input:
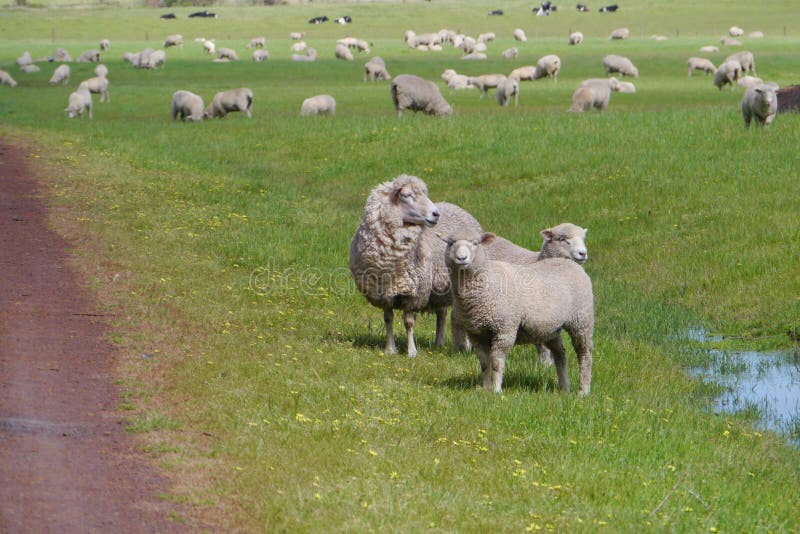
column 435, row 214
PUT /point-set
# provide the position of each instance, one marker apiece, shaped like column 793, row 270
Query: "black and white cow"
column 344, row 20
column 318, row 20
column 609, row 9
column 582, row 8
column 203, row 14
column 495, row 12
column 168, row 16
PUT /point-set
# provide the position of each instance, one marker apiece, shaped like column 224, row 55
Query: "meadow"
column 252, row 370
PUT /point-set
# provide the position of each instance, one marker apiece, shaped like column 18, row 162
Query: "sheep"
column 510, row 53
column 620, row 33
column 624, row 66
column 187, row 106
column 101, row 71
column 414, row 93
column 735, row 31
column 547, row 67
column 474, row 56
column 499, row 304
column 484, row 82
column 355, row 44
column 343, row 52
column 156, row 59
column 375, row 69
column 659, row 38
column 97, row 85
column 257, row 42
column 756, row 35
column 175, row 39
column 709, row 49
column 227, row 53
column 505, row 90
column 759, row 103
column 299, row 46
column 594, row 93
column 89, row 56
column 519, row 35
column 486, row 37
column 310, row 55
column 397, row 256
column 456, row 81
column 296, row 36
column 30, row 68
column 260, row 55
column 231, row 100
column 729, row 41
column 209, row 47
column 60, row 75
column 24, row 59
column 105, row 44
column 523, row 73
column 62, row 56
column 79, row 101
column 6, row 79
column 745, row 59
column 749, row 81
column 727, row 73
column 626, row 87
column 575, row 38
column 468, row 45
column 318, row 105
column 700, row 63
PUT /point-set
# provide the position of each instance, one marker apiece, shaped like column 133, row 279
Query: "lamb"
column 624, row 66
column 735, row 31
column 62, row 56
column 24, row 59
column 156, row 59
column 310, row 55
column 79, row 101
column 575, row 38
column 209, row 47
column 296, row 36
column 510, row 53
column 6, row 79
column 523, row 73
column 260, row 55
column 519, row 35
column 594, row 93
column 375, row 69
column 60, row 75
column 414, row 93
column 749, row 81
column 89, row 56
column 343, row 52
column 505, row 90
column 257, row 42
column 745, row 59
column 397, row 257
column 101, row 70
column 97, row 85
column 709, row 49
column 620, row 33
column 187, row 106
column 486, row 37
column 175, row 39
column 299, row 46
column 318, row 105
column 225, row 102
column 626, row 87
column 227, row 53
column 500, row 304
column 700, row 63
column 760, row 103
column 547, row 67
column 105, row 44
column 484, row 82
column 456, row 81
column 727, row 73
column 565, row 240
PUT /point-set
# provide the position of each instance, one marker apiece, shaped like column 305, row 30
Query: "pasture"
column 221, row 250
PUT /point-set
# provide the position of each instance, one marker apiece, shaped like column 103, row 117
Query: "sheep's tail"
column 249, row 101
column 394, row 95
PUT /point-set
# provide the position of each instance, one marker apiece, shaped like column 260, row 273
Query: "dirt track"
column 66, row 462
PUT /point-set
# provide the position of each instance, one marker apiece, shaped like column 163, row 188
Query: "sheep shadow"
column 513, row 380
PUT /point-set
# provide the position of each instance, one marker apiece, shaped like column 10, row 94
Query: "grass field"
column 221, row 249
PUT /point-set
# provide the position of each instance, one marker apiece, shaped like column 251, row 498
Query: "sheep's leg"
column 560, row 359
column 408, row 319
column 388, row 319
column 460, row 339
column 486, row 368
column 441, row 326
column 582, row 342
column 500, row 349
column 545, row 356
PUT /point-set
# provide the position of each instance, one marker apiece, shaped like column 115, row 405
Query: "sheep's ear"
column 487, row 238
column 445, row 238
column 585, row 230
column 547, row 234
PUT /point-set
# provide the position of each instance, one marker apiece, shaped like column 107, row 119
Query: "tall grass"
column 224, row 248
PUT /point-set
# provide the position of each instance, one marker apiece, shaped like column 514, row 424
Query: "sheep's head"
column 765, row 96
column 565, row 241
column 462, row 247
column 410, row 195
column 613, row 84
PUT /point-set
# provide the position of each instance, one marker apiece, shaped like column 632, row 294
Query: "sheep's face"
column 462, row 248
column 415, row 206
column 765, row 96
column 566, row 241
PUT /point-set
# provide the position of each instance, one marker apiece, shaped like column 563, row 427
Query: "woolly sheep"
column 224, row 102
column 519, row 35
column 79, row 101
column 98, row 85
column 456, row 81
column 626, row 87
column 105, row 44
column 175, row 39
column 60, row 75
column 484, row 82
column 299, row 46
column 260, row 55
column 6, row 79
column 355, row 44
column 505, row 90
column 318, row 105
column 468, row 45
column 745, row 59
column 486, row 37
column 701, row 63
column 523, row 73
column 624, row 66
column 101, row 70
column 510, row 53
column 749, row 81
column 500, row 304
column 310, row 55
column 375, row 69
column 209, row 47
column 756, row 35
column 156, row 59
column 729, row 41
column 594, row 93
column 727, row 73
column 343, row 52
column 760, row 103
column 30, row 68
column 296, row 36
column 735, row 31
column 475, row 56
column 414, row 93
column 227, row 53
column 89, row 56
column 62, row 56
column 186, row 106
column 397, row 257
column 575, row 38
column 24, row 59
column 547, row 67
column 257, row 42
column 620, row 33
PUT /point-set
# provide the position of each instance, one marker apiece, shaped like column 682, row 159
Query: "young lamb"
column 260, row 55
column 310, row 55
column 614, row 63
column 620, row 33
column 500, row 304
column 24, row 59
column 727, row 73
column 318, row 105
column 155, row 60
column 187, row 106
column 375, row 69
column 98, row 85
column 224, row 102
column 343, row 52
column 175, row 39
column 105, row 44
column 89, row 56
column 257, row 42
column 510, row 53
column 209, row 47
column 484, row 82
column 456, row 81
column 397, row 257
column 735, row 31
column 79, row 101
column 60, row 75
column 575, row 38
column 565, row 240
column 101, row 71
column 62, row 56
column 519, row 35
column 227, row 53
column 6, row 79
column 486, row 37
column 505, row 90
column 414, row 93
column 746, row 61
column 701, row 63
column 594, row 93
column 760, row 103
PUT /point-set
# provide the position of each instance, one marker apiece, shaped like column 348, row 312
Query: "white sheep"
column 318, row 105
column 519, row 35
column 614, row 63
column 62, row 56
column 523, row 73
column 397, row 257
column 701, row 63
column 156, row 59
column 375, row 69
column 620, row 33
column 299, row 46
column 79, row 102
column 729, row 41
column 756, row 35
column 745, row 59
column 187, row 106
column 735, row 31
column 626, row 87
column 414, row 93
column 101, row 70
column 510, row 53
column 175, row 39
column 343, row 52
column 310, row 55
column 657, row 37
column 260, row 55
column 105, row 44
column 486, row 37
column 594, row 93
column 547, row 67
column 30, row 68
column 759, row 103
column 727, row 73
column 227, row 53
column 224, row 102
column 505, row 90
column 89, row 56
column 575, row 38
column 60, row 75
column 6, row 79
column 456, row 81
column 296, row 36
column 484, row 82
column 24, row 59
column 257, row 42
column 474, row 56
column 209, row 47
column 749, row 81
column 500, row 304
column 468, row 45
column 97, row 85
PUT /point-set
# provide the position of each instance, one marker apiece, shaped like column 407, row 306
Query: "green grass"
column 224, row 247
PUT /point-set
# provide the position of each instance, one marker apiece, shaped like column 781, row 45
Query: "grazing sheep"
column 788, row 98
column 547, row 67
column 456, row 81
column 484, row 82
column 519, row 35
column 299, row 46
column 257, row 42
column 310, row 55
column 745, row 59
column 354, row 44
column 225, row 102
column 79, row 101
column 760, row 103
column 475, row 56
column 657, row 37
column 105, row 44
column 523, row 73
column 89, row 56
column 260, row 55
column 709, row 49
column 727, row 73
column 62, row 56
column 187, row 106
column 700, row 63
column 318, row 105
column 343, row 52
column 30, row 68
column 486, row 37
column 735, row 31
column 614, row 63
column 375, row 69
column 511, row 53
column 729, row 41
column 575, row 38
column 156, row 59
column 749, row 81
column 101, row 70
column 209, row 47
column 505, row 90
column 60, row 75
column 397, row 257
column 175, row 39
column 594, row 93
column 500, row 304
column 6, row 79
column 227, row 53
column 296, row 36
column 626, row 87
column 98, row 85
column 756, row 35
column 620, row 33
column 414, row 93
column 24, row 59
